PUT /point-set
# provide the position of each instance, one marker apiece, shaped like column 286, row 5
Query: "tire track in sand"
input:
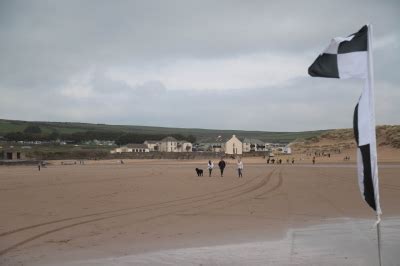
column 258, row 196
column 123, row 209
column 264, row 194
column 263, row 182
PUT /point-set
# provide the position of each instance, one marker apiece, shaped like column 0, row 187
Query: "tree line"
column 34, row 133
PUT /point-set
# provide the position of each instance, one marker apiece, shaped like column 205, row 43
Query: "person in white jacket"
column 240, row 167
column 210, row 166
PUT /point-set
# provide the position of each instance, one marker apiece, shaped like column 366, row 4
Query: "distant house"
column 153, row 145
column 100, row 142
column 280, row 148
column 120, row 150
column 233, row 146
column 131, row 148
column 287, row 150
column 169, row 144
column 11, row 154
column 216, row 147
column 250, row 145
column 138, row 147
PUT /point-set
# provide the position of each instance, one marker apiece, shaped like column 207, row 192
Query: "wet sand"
column 335, row 242
column 160, row 212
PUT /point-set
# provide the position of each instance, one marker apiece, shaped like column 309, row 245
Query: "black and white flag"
column 351, row 57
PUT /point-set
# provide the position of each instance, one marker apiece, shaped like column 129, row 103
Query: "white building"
column 120, row 150
column 250, row 145
column 138, row 147
column 153, row 145
column 100, row 142
column 287, row 150
column 131, row 148
column 169, row 144
column 233, row 146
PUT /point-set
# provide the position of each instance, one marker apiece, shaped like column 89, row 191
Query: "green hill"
column 202, row 135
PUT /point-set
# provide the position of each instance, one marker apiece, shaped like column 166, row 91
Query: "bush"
column 32, row 129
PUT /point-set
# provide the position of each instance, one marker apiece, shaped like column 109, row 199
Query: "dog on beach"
column 199, row 172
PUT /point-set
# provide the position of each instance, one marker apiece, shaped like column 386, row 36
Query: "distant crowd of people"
column 279, row 161
column 319, row 154
column 42, row 164
column 323, row 153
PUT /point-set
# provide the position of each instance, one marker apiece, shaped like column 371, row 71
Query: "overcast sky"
column 204, row 64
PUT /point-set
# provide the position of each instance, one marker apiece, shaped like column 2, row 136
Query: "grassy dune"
column 387, row 136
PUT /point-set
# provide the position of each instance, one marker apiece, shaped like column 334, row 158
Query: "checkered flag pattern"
column 343, row 58
column 351, row 57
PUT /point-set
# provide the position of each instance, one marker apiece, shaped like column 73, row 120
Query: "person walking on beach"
column 210, row 167
column 240, row 168
column 222, row 165
column 38, row 166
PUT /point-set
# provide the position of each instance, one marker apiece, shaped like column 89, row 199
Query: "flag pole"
column 378, row 232
column 375, row 166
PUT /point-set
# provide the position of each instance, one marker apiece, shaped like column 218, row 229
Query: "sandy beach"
column 158, row 212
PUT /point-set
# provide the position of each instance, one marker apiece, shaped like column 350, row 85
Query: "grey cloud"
column 330, row 106
column 46, row 43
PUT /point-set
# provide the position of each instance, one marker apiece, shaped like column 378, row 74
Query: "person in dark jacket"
column 222, row 165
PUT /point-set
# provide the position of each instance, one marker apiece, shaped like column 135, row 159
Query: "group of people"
column 222, row 165
column 321, row 154
column 278, row 161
